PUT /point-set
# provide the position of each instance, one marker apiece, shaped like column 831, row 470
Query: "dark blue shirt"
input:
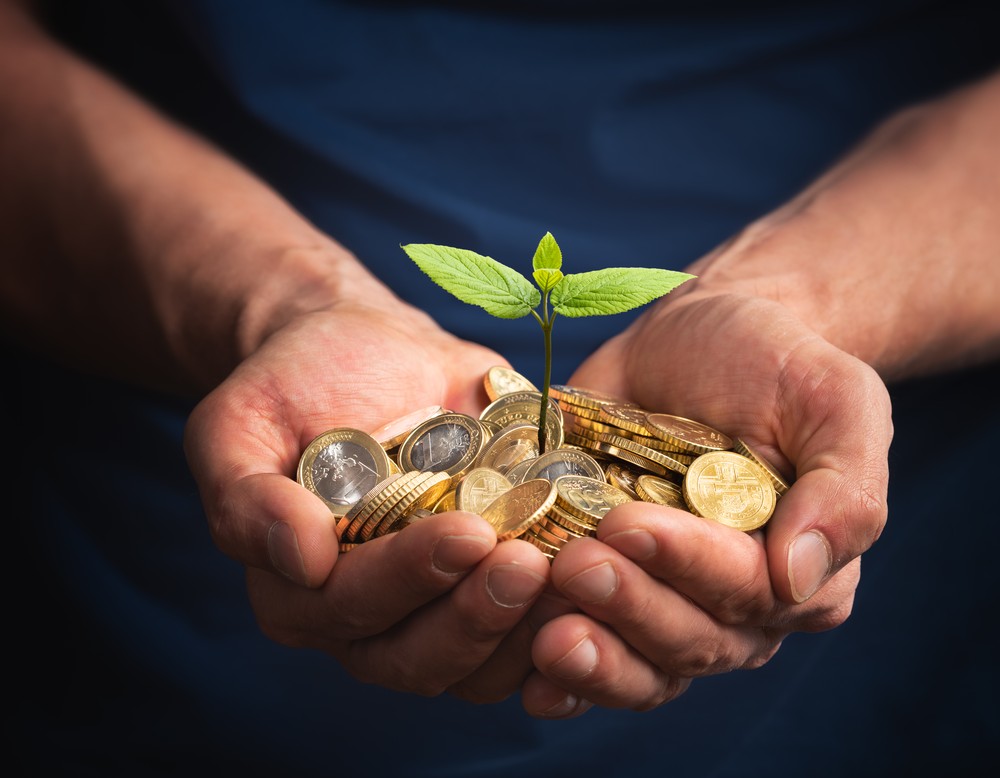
column 638, row 134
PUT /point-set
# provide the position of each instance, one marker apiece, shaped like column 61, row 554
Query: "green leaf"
column 499, row 290
column 613, row 290
column 547, row 278
column 548, row 255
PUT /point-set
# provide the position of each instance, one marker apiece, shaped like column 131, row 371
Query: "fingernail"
column 283, row 550
column 578, row 662
column 512, row 586
column 570, row 705
column 636, row 544
column 593, row 585
column 809, row 563
column 457, row 553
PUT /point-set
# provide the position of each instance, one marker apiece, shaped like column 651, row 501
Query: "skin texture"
column 233, row 296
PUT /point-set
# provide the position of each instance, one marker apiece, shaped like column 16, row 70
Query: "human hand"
column 666, row 596
column 417, row 610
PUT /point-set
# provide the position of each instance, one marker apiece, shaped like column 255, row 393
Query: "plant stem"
column 546, row 321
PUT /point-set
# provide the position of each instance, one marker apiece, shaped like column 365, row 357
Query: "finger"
column 544, row 699
column 451, row 637
column 376, row 585
column 588, row 660
column 270, row 522
column 505, row 671
column 257, row 514
column 722, row 570
column 665, row 627
column 837, row 429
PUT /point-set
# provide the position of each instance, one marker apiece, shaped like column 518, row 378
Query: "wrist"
column 890, row 256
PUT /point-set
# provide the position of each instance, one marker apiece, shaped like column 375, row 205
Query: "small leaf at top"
column 548, row 255
column 547, row 278
column 499, row 290
column 613, row 290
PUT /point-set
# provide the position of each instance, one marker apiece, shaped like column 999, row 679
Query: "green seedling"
column 503, row 292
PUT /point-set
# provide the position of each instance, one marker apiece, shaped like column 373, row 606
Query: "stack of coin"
column 601, row 451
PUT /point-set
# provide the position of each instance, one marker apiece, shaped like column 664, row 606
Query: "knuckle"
column 742, row 605
column 668, row 689
column 872, row 507
column 765, row 654
column 386, row 669
column 704, row 658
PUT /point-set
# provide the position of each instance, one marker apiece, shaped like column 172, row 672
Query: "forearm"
column 128, row 241
column 894, row 255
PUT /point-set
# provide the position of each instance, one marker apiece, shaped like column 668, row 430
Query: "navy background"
column 637, row 136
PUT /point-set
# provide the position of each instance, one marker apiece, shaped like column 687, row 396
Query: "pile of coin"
column 600, row 452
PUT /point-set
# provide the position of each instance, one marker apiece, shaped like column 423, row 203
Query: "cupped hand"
column 418, row 610
column 666, row 596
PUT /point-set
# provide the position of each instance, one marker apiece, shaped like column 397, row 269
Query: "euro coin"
column 519, row 407
column 519, row 507
column 562, row 461
column 588, row 498
column 448, row 443
column 511, row 445
column 341, row 465
column 392, row 433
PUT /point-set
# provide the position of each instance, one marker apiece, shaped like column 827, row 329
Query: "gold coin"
column 364, row 525
column 632, row 458
column 585, row 398
column 448, row 443
column 729, row 488
column 511, row 445
column 689, row 435
column 596, row 427
column 623, row 477
column 557, row 534
column 588, row 498
column 500, row 380
column 626, row 417
column 553, row 540
column 780, row 485
column 392, row 433
column 660, row 457
column 587, row 432
column 562, row 461
column 341, row 465
column 579, row 412
column 419, row 495
column 576, row 525
column 661, row 491
column 519, row 507
column 359, row 514
column 446, row 503
column 549, row 550
column 478, row 488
